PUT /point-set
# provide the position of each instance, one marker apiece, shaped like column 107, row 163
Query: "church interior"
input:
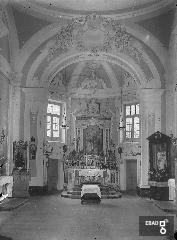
column 88, row 96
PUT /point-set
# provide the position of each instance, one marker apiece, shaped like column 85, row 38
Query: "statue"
column 32, row 149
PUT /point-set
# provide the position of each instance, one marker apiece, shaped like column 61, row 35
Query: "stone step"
column 66, row 194
column 102, row 196
column 76, row 195
column 102, row 192
column 76, row 189
column 106, row 193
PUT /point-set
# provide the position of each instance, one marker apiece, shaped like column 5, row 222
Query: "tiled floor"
column 56, row 218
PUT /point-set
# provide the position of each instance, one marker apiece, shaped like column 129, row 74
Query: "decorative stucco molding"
column 3, row 29
column 48, row 33
column 56, row 87
column 131, row 150
column 95, row 34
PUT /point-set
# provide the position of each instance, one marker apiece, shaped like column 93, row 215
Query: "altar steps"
column 106, row 193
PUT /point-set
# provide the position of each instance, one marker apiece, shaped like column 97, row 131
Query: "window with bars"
column 132, row 122
column 53, row 121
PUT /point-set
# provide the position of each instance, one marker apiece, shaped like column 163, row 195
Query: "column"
column 60, row 175
column 4, row 106
column 117, row 118
column 175, row 113
column 120, row 166
column 150, row 112
column 72, row 132
column 176, row 179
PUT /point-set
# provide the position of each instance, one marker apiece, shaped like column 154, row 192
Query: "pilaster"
column 150, row 112
column 34, row 126
column 117, row 108
column 175, row 113
column 4, row 106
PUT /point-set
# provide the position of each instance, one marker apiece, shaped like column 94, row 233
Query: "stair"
column 106, row 193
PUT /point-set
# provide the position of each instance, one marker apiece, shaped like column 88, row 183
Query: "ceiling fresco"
column 88, row 76
column 96, row 36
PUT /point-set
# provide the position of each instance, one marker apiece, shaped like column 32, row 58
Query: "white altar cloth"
column 90, row 188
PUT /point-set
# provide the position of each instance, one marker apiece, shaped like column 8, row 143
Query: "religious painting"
column 93, row 140
column 161, row 160
column 159, row 157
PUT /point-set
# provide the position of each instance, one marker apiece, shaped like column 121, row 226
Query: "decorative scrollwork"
column 107, row 32
column 2, row 136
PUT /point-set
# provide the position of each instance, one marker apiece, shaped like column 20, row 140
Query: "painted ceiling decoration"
column 94, row 33
column 93, row 81
column 56, row 85
column 129, row 82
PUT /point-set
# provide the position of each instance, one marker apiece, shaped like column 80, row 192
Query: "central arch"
column 122, row 60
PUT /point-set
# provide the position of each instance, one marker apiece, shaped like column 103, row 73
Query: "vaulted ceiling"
column 147, row 22
column 122, row 9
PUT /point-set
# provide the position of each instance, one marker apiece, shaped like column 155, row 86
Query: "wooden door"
column 52, row 175
column 131, row 174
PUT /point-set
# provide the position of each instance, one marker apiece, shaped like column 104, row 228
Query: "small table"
column 90, row 193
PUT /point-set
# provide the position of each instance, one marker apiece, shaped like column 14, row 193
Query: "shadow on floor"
column 130, row 193
column 5, row 238
column 43, row 192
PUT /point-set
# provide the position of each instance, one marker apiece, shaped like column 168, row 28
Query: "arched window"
column 132, row 122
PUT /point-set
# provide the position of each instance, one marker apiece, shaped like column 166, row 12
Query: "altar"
column 90, row 169
column 91, row 156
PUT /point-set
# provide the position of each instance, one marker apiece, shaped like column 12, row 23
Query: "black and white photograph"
column 88, row 119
